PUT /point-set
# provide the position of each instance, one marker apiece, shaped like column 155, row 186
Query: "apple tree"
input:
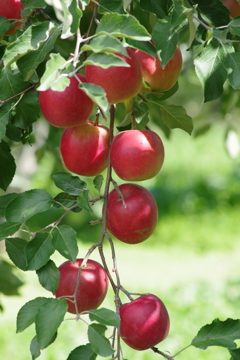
column 80, row 64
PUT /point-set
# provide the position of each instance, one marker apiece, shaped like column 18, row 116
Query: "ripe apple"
column 144, row 322
column 92, row 287
column 158, row 78
column 84, row 148
column 136, row 155
column 11, row 9
column 233, row 6
column 70, row 107
column 135, row 222
column 120, row 83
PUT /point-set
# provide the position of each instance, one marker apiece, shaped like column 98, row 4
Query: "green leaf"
column 105, row 43
column 28, row 63
column 83, row 202
column 140, row 110
column 5, row 25
column 106, row 6
column 11, row 84
column 145, row 46
column 15, row 248
column 97, row 94
column 8, row 229
column 49, row 317
column 34, row 4
column 38, row 251
column 214, row 10
column 157, row 7
column 174, row 116
column 72, row 15
column 234, row 26
column 105, row 60
column 35, row 347
column 7, row 167
column 29, row 104
column 27, row 314
column 209, row 67
column 27, row 204
column 4, row 116
column 65, row 242
column 104, row 317
column 122, row 26
column 97, row 182
column 9, row 281
column 232, row 64
column 4, row 201
column 235, row 354
column 82, row 352
column 49, row 276
column 53, row 77
column 72, row 185
column 67, row 201
column 99, row 343
column 165, row 32
column 218, row 333
column 30, row 40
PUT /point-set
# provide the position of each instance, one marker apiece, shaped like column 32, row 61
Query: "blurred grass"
column 191, row 261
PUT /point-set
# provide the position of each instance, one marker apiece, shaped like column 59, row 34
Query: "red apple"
column 92, row 287
column 11, row 9
column 120, row 83
column 233, row 6
column 135, row 222
column 158, row 78
column 70, row 107
column 144, row 322
column 84, row 148
column 136, row 155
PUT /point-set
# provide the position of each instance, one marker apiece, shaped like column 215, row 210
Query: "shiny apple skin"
column 144, row 322
column 160, row 79
column 84, row 149
column 137, row 221
column 92, row 288
column 233, row 6
column 67, row 108
column 137, row 155
column 120, row 83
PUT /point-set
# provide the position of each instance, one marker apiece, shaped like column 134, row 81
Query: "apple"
column 120, row 83
column 136, row 221
column 160, row 79
column 70, row 107
column 11, row 9
column 92, row 287
column 144, row 322
column 84, row 148
column 136, row 155
column 233, row 6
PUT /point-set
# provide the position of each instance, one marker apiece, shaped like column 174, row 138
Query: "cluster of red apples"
column 135, row 155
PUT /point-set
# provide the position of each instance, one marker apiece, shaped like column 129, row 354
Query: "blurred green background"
column 192, row 259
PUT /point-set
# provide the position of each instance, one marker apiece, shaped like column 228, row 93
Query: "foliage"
column 48, row 48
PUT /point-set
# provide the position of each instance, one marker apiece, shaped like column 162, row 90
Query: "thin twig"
column 21, row 93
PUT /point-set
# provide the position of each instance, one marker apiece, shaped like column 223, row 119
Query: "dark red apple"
column 70, row 107
column 120, row 83
column 92, row 287
column 84, row 148
column 233, row 6
column 144, row 322
column 136, row 155
column 160, row 79
column 135, row 222
column 11, row 9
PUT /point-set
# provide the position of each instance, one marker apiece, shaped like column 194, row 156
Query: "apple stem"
column 96, row 122
column 133, row 121
column 119, row 193
column 168, row 357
